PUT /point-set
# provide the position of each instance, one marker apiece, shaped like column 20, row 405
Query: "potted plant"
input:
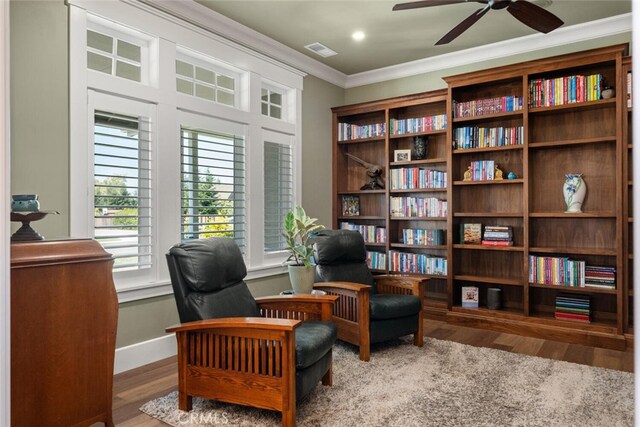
column 298, row 228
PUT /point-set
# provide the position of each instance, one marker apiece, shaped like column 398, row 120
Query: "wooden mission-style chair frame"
column 247, row 360
column 352, row 312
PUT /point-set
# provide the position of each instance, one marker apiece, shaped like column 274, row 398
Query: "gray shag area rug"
column 442, row 384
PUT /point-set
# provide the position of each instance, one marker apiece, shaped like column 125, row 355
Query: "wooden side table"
column 64, row 312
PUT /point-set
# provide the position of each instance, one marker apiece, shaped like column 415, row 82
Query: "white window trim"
column 161, row 91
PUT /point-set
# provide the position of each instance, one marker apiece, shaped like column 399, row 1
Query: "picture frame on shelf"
column 401, row 155
column 350, row 206
column 470, row 297
column 471, row 234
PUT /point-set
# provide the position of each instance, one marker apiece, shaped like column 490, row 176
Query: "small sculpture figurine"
column 467, row 174
column 512, row 175
column 373, row 171
column 497, row 176
column 419, row 151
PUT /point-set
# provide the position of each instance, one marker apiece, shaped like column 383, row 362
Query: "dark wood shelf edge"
column 594, row 335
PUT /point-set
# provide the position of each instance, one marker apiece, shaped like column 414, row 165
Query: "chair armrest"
column 244, row 323
column 354, row 301
column 300, row 306
column 347, row 286
column 398, row 284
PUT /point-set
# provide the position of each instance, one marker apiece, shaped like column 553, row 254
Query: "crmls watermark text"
column 211, row 418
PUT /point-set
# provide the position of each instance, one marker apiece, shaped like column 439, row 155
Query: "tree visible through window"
column 213, row 185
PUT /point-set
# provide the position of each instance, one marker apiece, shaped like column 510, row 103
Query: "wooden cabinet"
column 63, row 327
column 405, row 223
column 536, row 122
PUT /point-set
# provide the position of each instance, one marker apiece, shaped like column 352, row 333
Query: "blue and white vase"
column 574, row 191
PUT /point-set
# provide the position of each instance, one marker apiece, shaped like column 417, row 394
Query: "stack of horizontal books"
column 575, row 307
column 497, row 235
column 600, row 277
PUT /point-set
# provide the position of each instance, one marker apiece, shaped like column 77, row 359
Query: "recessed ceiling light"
column 358, row 36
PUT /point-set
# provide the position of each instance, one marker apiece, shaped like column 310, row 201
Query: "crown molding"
column 575, row 33
column 218, row 24
column 265, row 47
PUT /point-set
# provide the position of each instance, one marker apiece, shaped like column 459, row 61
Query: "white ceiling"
column 392, row 37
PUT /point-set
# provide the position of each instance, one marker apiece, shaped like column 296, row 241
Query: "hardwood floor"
column 133, row 388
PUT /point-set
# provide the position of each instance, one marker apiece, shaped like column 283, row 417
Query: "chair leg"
column 418, row 337
column 327, row 379
column 184, row 401
column 365, row 348
column 289, row 417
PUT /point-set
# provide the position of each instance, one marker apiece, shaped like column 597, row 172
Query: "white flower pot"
column 302, row 278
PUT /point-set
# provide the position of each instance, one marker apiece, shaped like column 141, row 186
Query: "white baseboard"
column 143, row 353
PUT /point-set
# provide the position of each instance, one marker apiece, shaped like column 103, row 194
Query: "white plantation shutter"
column 213, row 185
column 122, row 188
column 278, row 193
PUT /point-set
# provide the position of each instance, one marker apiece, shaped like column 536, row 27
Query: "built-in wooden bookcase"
column 627, row 127
column 566, row 134
column 422, row 115
column 500, row 118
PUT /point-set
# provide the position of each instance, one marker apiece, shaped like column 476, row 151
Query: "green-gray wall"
column 40, row 137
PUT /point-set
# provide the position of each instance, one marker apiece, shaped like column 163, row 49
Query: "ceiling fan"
column 528, row 13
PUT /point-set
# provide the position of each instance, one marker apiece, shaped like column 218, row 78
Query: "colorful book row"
column 370, row 233
column 560, row 271
column 420, row 124
column 412, row 236
column 478, row 137
column 564, row 90
column 573, row 308
column 481, row 107
column 377, row 260
column 418, row 207
column 348, row 131
column 417, row 178
column 404, row 262
column 482, row 170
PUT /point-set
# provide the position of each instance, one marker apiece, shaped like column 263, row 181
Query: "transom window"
column 205, row 83
column 272, row 102
column 111, row 55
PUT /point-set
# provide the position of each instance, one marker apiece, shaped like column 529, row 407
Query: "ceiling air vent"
column 321, row 49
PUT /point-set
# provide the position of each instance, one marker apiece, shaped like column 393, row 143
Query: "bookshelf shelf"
column 486, row 117
column 592, row 138
column 414, row 163
column 568, row 143
column 419, row 190
column 431, row 247
column 573, row 250
column 494, row 182
column 356, row 192
column 490, row 280
column 488, row 248
column 362, row 140
column 557, row 140
column 487, row 149
column 575, row 106
column 561, row 288
column 602, row 214
column 411, row 135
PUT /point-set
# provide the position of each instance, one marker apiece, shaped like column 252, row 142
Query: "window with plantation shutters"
column 122, row 188
column 278, row 193
column 213, row 185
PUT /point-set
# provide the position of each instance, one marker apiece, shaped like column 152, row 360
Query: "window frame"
column 169, row 36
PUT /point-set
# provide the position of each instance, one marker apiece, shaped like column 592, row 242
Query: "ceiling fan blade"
column 534, row 16
column 428, row 3
column 463, row 26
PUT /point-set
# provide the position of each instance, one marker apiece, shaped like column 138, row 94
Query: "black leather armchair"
column 268, row 353
column 371, row 308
